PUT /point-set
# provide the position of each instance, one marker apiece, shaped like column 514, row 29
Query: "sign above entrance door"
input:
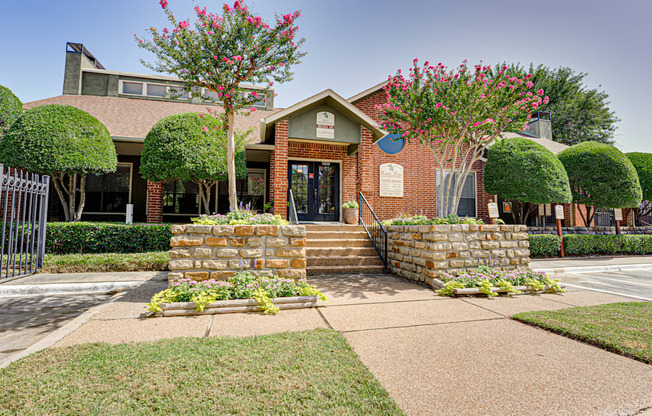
column 325, row 125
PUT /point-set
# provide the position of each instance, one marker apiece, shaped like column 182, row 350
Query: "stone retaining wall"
column 423, row 252
column 590, row 230
column 201, row 252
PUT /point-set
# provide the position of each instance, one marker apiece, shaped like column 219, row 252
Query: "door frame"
column 339, row 162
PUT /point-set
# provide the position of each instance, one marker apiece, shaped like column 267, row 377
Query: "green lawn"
column 623, row 328
column 105, row 262
column 312, row 373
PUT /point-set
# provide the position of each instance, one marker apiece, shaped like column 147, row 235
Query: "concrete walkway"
column 434, row 355
column 591, row 264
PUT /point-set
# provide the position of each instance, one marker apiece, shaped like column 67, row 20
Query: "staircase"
column 340, row 248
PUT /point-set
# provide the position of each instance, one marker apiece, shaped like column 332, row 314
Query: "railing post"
column 359, row 207
column 43, row 217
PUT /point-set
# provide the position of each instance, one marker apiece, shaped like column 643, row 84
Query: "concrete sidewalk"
column 434, row 355
column 73, row 283
column 559, row 266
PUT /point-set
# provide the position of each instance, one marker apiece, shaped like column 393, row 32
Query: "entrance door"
column 316, row 189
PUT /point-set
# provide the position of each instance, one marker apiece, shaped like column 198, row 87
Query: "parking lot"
column 635, row 283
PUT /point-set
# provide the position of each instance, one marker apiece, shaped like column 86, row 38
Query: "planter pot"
column 234, row 306
column 472, row 291
column 351, row 216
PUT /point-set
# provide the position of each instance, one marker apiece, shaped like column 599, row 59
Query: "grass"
column 105, row 262
column 623, row 328
column 312, row 372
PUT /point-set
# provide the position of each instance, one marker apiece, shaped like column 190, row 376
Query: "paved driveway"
column 635, row 283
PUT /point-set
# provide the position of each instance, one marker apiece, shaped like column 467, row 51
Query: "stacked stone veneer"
column 424, row 252
column 201, row 252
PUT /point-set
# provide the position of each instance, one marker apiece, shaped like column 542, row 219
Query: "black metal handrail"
column 292, row 214
column 374, row 228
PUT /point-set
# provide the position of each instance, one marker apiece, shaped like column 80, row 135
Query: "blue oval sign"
column 391, row 144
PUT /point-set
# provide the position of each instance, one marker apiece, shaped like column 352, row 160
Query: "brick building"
column 326, row 149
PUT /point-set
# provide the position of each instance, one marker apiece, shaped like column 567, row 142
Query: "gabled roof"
column 366, row 93
column 130, row 119
column 330, row 98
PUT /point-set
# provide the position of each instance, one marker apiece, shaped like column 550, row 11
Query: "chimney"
column 540, row 125
column 77, row 58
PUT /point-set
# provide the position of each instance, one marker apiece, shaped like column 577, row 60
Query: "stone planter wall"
column 590, row 230
column 201, row 252
column 424, row 252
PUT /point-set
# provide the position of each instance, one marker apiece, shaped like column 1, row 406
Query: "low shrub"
column 544, row 245
column 244, row 285
column 99, row 237
column 423, row 220
column 484, row 278
column 240, row 217
column 106, row 262
column 350, row 205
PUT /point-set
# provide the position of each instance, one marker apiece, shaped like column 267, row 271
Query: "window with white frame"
column 109, row 193
column 152, row 89
column 467, row 205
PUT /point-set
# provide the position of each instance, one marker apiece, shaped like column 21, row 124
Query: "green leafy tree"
column 458, row 114
column 600, row 176
column 223, row 51
column 10, row 109
column 643, row 164
column 579, row 113
column 525, row 173
column 190, row 147
column 65, row 143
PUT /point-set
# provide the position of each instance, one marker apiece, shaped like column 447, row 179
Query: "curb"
column 64, row 288
column 595, row 269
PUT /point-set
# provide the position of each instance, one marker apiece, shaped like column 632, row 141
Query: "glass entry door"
column 316, row 189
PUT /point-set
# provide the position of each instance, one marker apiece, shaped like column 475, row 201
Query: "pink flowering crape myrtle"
column 458, row 113
column 219, row 52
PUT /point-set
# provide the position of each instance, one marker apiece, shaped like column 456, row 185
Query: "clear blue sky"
column 355, row 44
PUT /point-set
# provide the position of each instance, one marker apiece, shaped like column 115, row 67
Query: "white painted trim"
column 128, row 139
column 340, row 162
column 146, row 85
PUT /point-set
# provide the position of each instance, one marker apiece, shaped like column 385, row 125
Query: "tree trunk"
column 68, row 195
column 230, row 161
column 58, row 187
column 82, row 197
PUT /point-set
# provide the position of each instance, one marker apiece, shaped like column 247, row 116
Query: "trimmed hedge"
column 544, row 245
column 547, row 245
column 98, row 237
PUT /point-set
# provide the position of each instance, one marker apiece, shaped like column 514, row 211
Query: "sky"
column 355, row 44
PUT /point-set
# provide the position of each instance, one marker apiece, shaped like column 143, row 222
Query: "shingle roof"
column 133, row 117
column 554, row 147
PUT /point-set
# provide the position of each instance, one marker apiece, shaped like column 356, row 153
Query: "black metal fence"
column 24, row 205
column 374, row 228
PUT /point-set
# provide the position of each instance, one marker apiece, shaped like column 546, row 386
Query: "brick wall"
column 154, row 202
column 202, row 252
column 424, row 252
column 279, row 168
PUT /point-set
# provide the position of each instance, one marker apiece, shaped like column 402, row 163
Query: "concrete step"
column 340, row 251
column 337, row 235
column 317, row 270
column 344, row 261
column 333, row 227
column 328, row 242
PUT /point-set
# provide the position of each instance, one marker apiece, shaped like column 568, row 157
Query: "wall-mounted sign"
column 325, row 125
column 391, row 180
column 618, row 214
column 507, row 207
column 542, row 210
column 559, row 212
column 391, row 144
column 548, row 210
column 493, row 210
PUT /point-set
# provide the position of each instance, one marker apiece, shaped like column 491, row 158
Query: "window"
column 250, row 191
column 134, row 88
column 467, row 205
column 211, row 94
column 178, row 92
column 180, row 197
column 157, row 90
column 109, row 193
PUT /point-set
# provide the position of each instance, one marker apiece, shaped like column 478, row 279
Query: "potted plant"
column 350, row 212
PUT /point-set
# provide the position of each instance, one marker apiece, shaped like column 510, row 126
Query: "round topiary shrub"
column 64, row 142
column 190, row 147
column 521, row 170
column 600, row 176
column 10, row 109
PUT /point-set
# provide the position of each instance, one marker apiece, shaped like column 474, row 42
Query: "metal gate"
column 24, row 205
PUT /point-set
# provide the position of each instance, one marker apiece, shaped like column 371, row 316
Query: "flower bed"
column 240, row 216
column 423, row 220
column 243, row 292
column 488, row 281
